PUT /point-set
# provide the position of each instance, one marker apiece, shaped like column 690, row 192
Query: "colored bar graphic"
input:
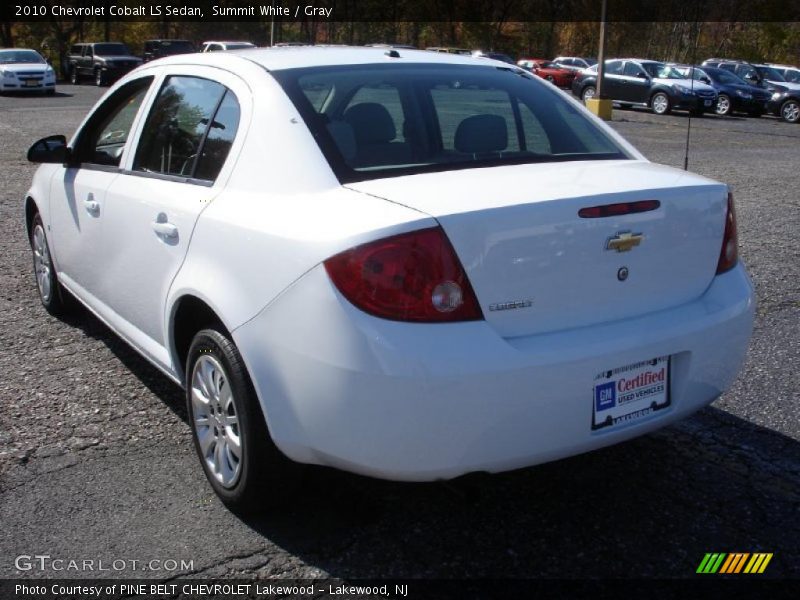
column 723, row 563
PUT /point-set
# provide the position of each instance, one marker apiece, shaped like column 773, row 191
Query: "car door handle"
column 166, row 229
column 92, row 206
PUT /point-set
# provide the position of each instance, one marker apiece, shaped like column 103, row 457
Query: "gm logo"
column 605, row 396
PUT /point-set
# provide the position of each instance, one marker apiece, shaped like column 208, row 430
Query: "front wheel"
column 660, row 103
column 50, row 292
column 723, row 107
column 588, row 93
column 74, row 78
column 241, row 463
column 99, row 78
column 790, row 111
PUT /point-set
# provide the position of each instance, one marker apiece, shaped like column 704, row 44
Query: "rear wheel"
column 790, row 111
column 231, row 438
column 588, row 93
column 660, row 103
column 50, row 292
column 723, row 107
column 99, row 78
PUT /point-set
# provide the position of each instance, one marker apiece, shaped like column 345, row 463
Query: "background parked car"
column 214, row 46
column 546, row 69
column 23, row 69
column 104, row 62
column 154, row 49
column 575, row 63
column 648, row 83
column 785, row 99
column 734, row 94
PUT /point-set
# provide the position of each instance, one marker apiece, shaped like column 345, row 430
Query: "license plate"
column 31, row 83
column 627, row 394
column 707, row 102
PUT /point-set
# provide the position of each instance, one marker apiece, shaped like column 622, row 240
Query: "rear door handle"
column 91, row 205
column 164, row 228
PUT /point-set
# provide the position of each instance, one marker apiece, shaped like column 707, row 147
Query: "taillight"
column 413, row 276
column 729, row 254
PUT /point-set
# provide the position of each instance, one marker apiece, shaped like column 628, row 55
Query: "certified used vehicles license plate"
column 629, row 393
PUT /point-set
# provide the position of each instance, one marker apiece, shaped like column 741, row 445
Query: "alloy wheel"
column 42, row 264
column 723, row 105
column 790, row 111
column 216, row 421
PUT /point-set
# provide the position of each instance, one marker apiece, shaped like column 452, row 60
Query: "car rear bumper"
column 423, row 402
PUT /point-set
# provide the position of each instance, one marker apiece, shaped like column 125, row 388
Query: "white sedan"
column 25, row 70
column 400, row 263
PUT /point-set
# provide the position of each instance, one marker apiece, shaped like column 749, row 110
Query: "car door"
column 175, row 172
column 612, row 80
column 636, row 83
column 78, row 190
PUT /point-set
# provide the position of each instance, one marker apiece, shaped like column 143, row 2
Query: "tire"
column 588, row 93
column 660, row 103
column 51, row 294
column 790, row 111
column 74, row 76
column 226, row 420
column 99, row 78
column 724, row 106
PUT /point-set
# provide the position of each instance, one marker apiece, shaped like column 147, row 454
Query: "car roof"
column 291, row 57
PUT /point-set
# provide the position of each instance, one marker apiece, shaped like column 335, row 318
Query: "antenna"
column 691, row 85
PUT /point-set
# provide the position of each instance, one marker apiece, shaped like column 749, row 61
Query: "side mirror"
column 642, row 76
column 705, row 80
column 50, row 149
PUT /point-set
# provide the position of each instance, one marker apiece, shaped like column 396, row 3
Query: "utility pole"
column 600, row 105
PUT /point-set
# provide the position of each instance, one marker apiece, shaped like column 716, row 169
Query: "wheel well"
column 30, row 211
column 191, row 315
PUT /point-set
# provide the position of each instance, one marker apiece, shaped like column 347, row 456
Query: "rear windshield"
column 374, row 121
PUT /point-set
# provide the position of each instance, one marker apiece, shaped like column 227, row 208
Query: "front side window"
column 384, row 120
column 188, row 112
column 632, row 70
column 111, row 50
column 105, row 135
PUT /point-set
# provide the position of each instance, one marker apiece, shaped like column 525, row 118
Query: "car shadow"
column 651, row 507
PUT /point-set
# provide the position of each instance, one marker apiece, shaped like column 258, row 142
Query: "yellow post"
column 600, row 106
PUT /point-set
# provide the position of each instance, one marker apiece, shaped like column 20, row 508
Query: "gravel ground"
column 96, row 460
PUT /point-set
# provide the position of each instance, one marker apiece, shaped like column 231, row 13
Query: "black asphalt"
column 96, row 459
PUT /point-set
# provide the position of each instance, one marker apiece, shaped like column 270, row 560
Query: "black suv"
column 785, row 99
column 104, row 62
column 650, row 83
column 154, row 49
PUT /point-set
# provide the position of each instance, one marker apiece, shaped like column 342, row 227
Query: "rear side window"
column 189, row 130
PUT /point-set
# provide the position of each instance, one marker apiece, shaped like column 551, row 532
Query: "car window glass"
column 103, row 139
column 632, row 70
column 457, row 102
column 176, row 125
column 388, row 97
column 536, row 139
column 219, row 139
column 614, row 67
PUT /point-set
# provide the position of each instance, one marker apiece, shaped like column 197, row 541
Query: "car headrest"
column 371, row 123
column 481, row 133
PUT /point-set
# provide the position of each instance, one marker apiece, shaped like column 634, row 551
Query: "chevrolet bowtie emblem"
column 624, row 241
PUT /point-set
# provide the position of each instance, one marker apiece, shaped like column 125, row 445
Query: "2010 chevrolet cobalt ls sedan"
column 399, row 263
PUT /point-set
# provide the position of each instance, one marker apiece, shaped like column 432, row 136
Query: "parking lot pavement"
column 96, row 460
